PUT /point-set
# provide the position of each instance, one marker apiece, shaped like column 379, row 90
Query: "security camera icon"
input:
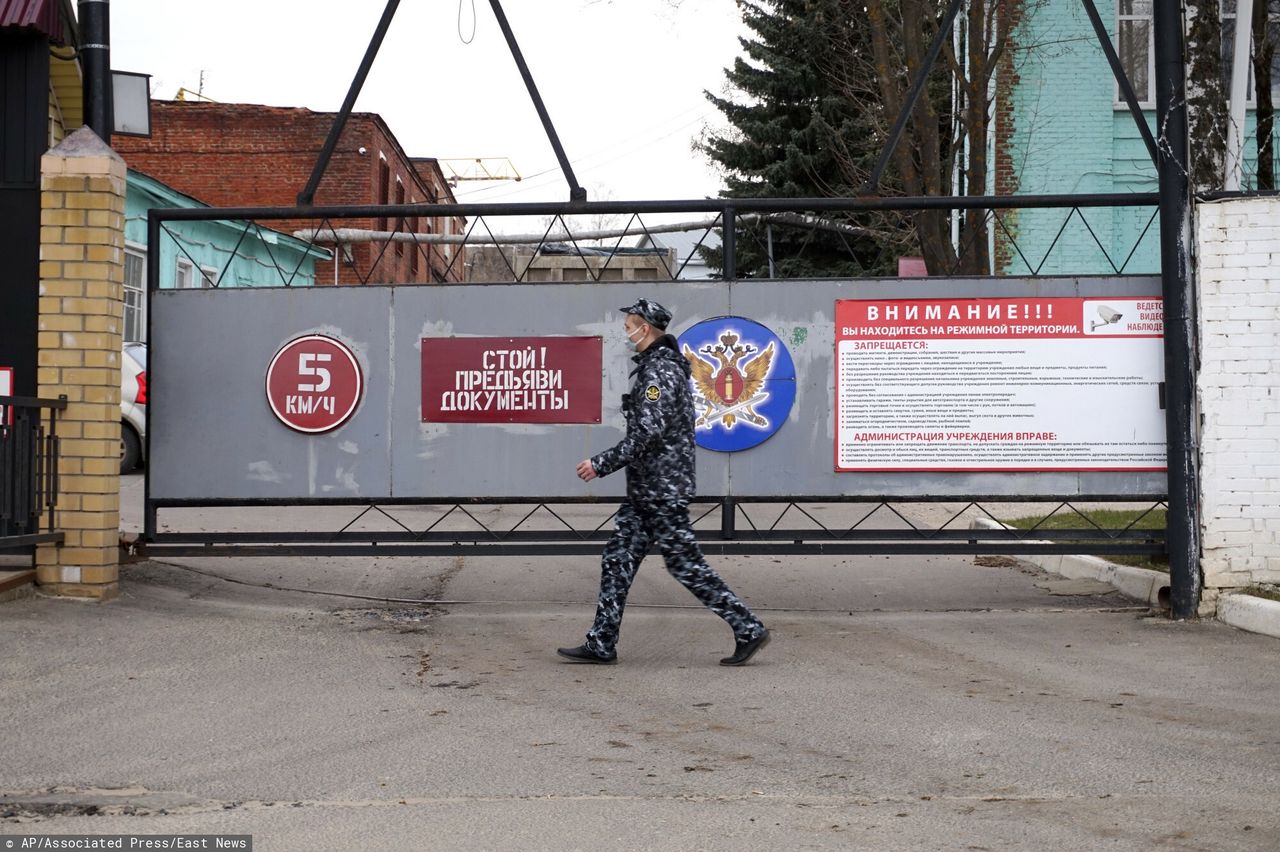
column 1110, row 316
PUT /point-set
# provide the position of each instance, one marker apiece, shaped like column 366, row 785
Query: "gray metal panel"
column 521, row 460
column 213, row 436
column 799, row 460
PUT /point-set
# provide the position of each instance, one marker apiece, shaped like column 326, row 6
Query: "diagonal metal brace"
column 1122, row 79
column 576, row 192
column 307, row 196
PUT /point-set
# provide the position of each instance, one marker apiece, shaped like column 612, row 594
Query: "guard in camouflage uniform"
column 658, row 453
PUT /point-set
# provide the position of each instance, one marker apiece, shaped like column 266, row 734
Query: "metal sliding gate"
column 397, row 478
column 213, row 454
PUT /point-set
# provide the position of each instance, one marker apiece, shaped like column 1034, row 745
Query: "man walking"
column 658, row 453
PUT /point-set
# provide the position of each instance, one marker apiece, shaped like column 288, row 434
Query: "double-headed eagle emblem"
column 728, row 380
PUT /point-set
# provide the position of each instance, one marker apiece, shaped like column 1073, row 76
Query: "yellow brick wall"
column 81, row 319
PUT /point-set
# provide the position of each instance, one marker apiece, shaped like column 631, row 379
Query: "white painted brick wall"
column 1238, row 387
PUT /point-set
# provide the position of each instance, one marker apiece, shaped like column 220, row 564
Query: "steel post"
column 728, row 518
column 1183, row 534
column 729, row 243
column 153, row 284
column 95, row 60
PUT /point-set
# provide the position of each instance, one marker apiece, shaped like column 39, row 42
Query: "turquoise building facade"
column 1064, row 129
column 204, row 254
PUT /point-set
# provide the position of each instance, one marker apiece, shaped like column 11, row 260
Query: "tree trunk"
column 1263, row 51
column 929, row 224
column 975, row 258
column 890, row 92
column 1206, row 94
column 926, row 154
column 933, row 226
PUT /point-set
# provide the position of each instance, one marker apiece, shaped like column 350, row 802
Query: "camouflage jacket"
column 658, row 451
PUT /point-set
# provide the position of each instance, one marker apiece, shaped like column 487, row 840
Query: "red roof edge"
column 42, row 15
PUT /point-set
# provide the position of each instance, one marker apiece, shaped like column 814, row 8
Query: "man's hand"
column 586, row 472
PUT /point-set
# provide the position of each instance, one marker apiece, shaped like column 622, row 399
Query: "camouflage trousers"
column 667, row 525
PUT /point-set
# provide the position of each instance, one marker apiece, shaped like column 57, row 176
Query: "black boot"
column 583, row 654
column 746, row 650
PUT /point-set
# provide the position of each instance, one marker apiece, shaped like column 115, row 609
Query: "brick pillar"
column 1238, row 250
column 82, row 189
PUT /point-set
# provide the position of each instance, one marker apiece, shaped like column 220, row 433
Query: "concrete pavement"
column 906, row 703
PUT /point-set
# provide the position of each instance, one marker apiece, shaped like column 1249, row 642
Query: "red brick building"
column 245, row 155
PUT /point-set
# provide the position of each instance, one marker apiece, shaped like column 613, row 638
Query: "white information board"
column 1025, row 384
column 6, row 389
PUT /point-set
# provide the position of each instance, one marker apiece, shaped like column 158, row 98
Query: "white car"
column 133, row 405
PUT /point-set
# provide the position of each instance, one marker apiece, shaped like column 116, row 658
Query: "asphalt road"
column 906, row 703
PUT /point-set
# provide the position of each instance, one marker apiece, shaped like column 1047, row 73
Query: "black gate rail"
column 730, row 537
column 29, row 471
column 730, row 216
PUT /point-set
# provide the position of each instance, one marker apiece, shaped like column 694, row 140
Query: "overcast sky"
column 622, row 80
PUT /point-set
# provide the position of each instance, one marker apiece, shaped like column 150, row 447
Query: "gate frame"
column 728, row 538
column 1171, row 154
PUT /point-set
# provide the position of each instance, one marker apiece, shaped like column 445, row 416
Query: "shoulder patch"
column 652, row 393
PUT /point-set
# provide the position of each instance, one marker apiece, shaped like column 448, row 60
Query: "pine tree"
column 788, row 126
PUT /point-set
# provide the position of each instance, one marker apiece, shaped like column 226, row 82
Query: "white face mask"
column 632, row 339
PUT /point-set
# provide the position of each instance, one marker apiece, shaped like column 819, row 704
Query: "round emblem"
column 744, row 382
column 314, row 384
column 652, row 393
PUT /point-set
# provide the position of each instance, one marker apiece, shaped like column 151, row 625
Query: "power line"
column 638, row 143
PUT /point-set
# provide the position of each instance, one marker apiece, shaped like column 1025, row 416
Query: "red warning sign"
column 511, row 379
column 314, row 384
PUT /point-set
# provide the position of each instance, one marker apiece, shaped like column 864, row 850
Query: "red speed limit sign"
column 314, row 383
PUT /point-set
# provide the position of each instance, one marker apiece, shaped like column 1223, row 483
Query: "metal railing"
column 776, row 238
column 29, row 471
column 560, row 526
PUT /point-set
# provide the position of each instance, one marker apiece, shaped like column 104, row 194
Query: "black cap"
column 651, row 312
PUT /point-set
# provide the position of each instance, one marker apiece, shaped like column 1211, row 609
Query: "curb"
column 1141, row 584
column 1246, row 612
column 17, row 585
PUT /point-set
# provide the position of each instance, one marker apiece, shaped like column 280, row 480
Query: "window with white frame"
column 1135, row 43
column 135, row 293
column 208, row 276
column 185, row 275
column 1228, row 8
